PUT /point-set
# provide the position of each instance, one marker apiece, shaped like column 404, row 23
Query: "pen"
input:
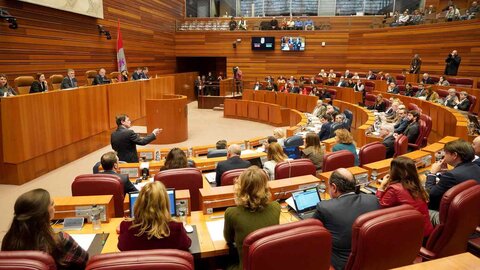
column 103, row 239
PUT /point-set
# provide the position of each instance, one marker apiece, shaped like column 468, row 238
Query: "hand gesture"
column 157, row 131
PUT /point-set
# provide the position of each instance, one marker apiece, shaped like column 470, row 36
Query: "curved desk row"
column 297, row 102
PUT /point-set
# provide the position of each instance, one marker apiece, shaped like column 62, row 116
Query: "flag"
column 121, row 60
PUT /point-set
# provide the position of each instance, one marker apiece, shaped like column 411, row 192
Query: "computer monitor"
column 171, row 198
column 132, row 196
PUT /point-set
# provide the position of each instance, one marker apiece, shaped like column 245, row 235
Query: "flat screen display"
column 292, row 44
column 171, row 197
column 263, row 43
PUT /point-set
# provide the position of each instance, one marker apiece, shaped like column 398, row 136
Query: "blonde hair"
column 152, row 211
column 251, row 189
column 275, row 152
column 343, row 136
column 279, row 133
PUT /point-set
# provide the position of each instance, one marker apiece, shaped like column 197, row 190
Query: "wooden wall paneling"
column 253, row 110
column 184, row 84
column 281, row 99
column 242, row 108
column 270, row 97
column 263, row 110
column 275, row 115
column 123, row 98
column 157, row 87
column 301, row 102
column 248, row 94
column 259, row 96
column 292, row 101
column 311, row 103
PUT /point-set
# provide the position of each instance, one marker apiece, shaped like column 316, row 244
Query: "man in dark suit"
column 144, row 74
column 476, row 148
column 426, row 79
column 453, row 62
column 342, row 82
column 412, row 131
column 69, row 81
column 233, row 162
column 402, row 123
column 124, row 140
column 101, row 78
column 458, row 154
column 219, row 151
column 109, row 163
column 386, row 132
column 326, row 121
column 339, row 213
column 137, row 75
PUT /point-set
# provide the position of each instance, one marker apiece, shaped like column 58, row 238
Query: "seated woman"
column 31, row 230
column 379, row 105
column 402, row 186
column 443, row 82
column 152, row 227
column 275, row 155
column 345, row 142
column 279, row 134
column 5, row 89
column 432, row 96
column 254, row 209
column 313, row 150
column 176, row 159
column 409, row 91
column 40, row 85
column 451, row 100
column 124, row 75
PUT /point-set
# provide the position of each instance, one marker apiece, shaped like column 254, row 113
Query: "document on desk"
column 83, row 240
column 210, row 177
column 215, row 229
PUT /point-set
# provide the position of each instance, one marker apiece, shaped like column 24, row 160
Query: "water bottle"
column 95, row 217
column 190, row 152
column 322, row 187
column 374, row 175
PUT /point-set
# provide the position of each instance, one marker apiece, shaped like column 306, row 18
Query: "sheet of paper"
column 210, row 177
column 215, row 229
column 83, row 240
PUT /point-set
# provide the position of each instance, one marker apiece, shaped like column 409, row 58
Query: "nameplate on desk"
column 84, row 211
column 131, row 172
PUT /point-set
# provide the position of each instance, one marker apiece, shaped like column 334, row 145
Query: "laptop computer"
column 305, row 202
column 132, row 196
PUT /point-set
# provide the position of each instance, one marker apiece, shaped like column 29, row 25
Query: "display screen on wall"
column 93, row 8
column 295, row 44
column 263, row 43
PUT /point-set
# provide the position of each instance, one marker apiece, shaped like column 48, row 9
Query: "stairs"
column 219, row 107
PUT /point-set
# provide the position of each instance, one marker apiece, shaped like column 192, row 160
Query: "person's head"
column 339, row 118
column 379, row 98
column 3, row 80
column 474, row 3
column 370, row 72
column 101, row 72
column 347, row 71
column 145, row 70
column 404, row 171
column 343, row 136
column 326, row 118
column 40, row 77
column 251, row 189
column 152, row 211
column 71, row 73
column 221, row 144
column 476, row 145
column 139, row 70
column 416, row 56
column 234, row 150
column 429, row 90
column 176, row 159
column 275, row 152
column 342, row 79
column 279, row 133
column 392, row 85
column 425, row 75
column 458, row 151
column 402, row 113
column 441, row 79
column 123, row 120
column 319, row 102
column 454, row 52
column 386, row 130
column 331, row 70
column 30, row 228
column 312, row 139
column 420, row 86
column 463, row 95
column 395, row 105
column 109, row 161
column 341, row 181
column 124, row 72
column 330, row 109
column 413, row 116
column 452, row 92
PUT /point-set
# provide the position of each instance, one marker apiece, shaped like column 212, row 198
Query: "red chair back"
column 458, row 219
column 332, row 92
column 26, row 260
column 428, row 121
column 339, row 159
column 307, row 243
column 168, row 259
column 442, row 93
column 401, row 145
column 462, row 82
column 372, row 152
column 370, row 99
column 400, row 79
column 422, row 129
column 228, row 177
column 369, row 86
column 473, row 101
column 184, row 178
column 296, row 167
column 100, row 184
column 402, row 225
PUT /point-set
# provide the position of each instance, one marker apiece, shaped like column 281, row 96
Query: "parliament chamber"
column 45, row 133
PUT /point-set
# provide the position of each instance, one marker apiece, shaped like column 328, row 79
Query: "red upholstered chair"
column 339, row 159
column 401, row 225
column 478, row 84
column 458, row 219
column 401, row 145
column 463, row 82
column 388, row 104
column 413, row 106
column 185, row 178
column 168, row 259
column 26, row 260
column 473, row 101
column 370, row 99
column 296, row 167
column 401, row 89
column 422, row 128
column 474, row 244
column 100, row 184
column 372, row 152
column 442, row 93
column 400, row 79
column 428, row 122
column 369, row 86
column 435, row 79
column 228, row 177
column 307, row 243
column 332, row 92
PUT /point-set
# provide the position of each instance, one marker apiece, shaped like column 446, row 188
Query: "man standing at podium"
column 124, row 140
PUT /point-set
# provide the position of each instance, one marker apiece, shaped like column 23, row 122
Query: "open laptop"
column 132, row 196
column 305, row 202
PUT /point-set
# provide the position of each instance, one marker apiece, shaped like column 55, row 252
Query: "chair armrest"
column 426, row 254
column 413, row 146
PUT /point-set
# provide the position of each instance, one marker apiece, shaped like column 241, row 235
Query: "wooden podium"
column 169, row 112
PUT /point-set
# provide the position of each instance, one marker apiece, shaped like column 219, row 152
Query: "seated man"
column 386, row 132
column 326, row 121
column 337, row 124
column 458, row 154
column 339, row 213
column 101, row 78
column 69, row 81
column 463, row 102
column 426, row 79
column 392, row 88
column 233, row 162
column 137, row 75
column 298, row 24
column 402, row 122
column 110, row 165
column 412, row 130
column 219, row 151
column 319, row 109
column 421, row 92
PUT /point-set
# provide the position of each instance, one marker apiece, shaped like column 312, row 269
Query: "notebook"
column 132, row 196
column 305, row 202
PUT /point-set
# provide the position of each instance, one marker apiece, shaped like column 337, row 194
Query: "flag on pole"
column 121, row 60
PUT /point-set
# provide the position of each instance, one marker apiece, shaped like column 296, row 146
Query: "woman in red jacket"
column 152, row 227
column 402, row 186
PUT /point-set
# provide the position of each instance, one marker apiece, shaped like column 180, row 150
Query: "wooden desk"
column 448, row 139
column 464, row 261
column 181, row 196
column 168, row 112
column 382, row 167
column 66, row 207
column 433, row 149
